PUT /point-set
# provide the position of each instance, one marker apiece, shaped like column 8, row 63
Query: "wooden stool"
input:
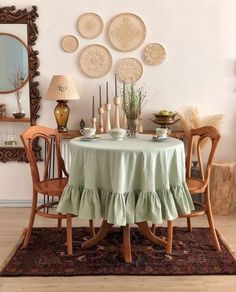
column 222, row 187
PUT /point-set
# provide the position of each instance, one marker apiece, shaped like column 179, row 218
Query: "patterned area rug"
column 193, row 254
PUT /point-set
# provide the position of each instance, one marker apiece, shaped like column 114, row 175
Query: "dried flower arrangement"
column 191, row 119
column 17, row 80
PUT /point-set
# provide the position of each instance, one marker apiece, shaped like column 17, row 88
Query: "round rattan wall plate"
column 154, row 54
column 129, row 70
column 126, row 32
column 95, row 61
column 69, row 43
column 90, row 25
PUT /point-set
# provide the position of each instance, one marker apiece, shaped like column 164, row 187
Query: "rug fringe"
column 232, row 252
column 5, row 262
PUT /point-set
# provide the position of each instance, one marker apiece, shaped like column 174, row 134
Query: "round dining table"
column 135, row 180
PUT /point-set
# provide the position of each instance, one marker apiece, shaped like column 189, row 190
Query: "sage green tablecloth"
column 127, row 181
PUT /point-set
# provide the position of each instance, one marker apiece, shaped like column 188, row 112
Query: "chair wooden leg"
column 91, row 227
column 169, row 237
column 31, row 220
column 69, row 234
column 59, row 221
column 153, row 228
column 210, row 220
column 189, row 224
column 126, row 242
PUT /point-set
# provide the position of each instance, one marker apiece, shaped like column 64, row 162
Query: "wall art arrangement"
column 126, row 32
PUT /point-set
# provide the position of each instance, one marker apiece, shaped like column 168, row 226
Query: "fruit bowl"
column 165, row 118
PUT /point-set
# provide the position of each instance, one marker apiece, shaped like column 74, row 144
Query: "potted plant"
column 132, row 101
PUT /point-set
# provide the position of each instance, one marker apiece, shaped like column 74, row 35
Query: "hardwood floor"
column 13, row 220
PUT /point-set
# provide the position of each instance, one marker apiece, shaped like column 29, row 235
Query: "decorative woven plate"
column 129, row 70
column 154, row 54
column 95, row 61
column 90, row 25
column 69, row 43
column 126, row 32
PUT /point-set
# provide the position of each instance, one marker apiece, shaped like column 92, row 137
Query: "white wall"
column 199, row 37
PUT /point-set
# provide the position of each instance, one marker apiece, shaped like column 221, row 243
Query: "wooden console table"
column 76, row 133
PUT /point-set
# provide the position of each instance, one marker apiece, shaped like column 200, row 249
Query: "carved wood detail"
column 9, row 14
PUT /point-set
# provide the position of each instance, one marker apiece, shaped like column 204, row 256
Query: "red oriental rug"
column 193, row 254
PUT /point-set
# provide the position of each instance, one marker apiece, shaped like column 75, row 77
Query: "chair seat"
column 195, row 185
column 53, row 187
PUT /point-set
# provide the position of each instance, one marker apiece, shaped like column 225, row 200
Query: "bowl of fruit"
column 165, row 115
column 165, row 118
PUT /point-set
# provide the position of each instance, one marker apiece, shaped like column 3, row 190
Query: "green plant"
column 133, row 99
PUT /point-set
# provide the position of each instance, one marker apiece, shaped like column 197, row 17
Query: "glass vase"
column 132, row 125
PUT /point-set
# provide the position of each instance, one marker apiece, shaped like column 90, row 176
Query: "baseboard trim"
column 17, row 203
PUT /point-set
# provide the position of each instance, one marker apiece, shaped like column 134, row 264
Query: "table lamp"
column 62, row 89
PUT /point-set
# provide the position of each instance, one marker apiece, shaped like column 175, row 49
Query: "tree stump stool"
column 222, row 187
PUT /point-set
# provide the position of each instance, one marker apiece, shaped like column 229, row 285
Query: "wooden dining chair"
column 201, row 184
column 43, row 184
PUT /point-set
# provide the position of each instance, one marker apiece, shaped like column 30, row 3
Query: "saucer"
column 117, row 139
column 93, row 138
column 158, row 139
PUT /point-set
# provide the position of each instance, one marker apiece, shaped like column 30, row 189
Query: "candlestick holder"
column 100, row 121
column 140, row 125
column 94, row 120
column 107, row 121
column 116, row 118
column 124, row 121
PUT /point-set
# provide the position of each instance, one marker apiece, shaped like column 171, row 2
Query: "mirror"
column 14, row 63
column 18, row 89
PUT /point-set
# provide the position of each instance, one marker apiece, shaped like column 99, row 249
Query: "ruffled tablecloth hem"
column 131, row 207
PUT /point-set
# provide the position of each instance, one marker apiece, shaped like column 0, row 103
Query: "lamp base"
column 61, row 113
column 62, row 129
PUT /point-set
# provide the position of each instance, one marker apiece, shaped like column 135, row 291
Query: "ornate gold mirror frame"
column 9, row 15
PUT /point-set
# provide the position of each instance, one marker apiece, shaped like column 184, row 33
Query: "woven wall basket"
column 129, row 70
column 95, row 61
column 90, row 25
column 126, row 32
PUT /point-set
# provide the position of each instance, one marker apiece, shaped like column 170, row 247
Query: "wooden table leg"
column 104, row 229
column 169, row 237
column 149, row 235
column 126, row 242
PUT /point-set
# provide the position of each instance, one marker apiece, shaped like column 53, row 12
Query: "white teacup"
column 118, row 133
column 88, row 132
column 162, row 132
